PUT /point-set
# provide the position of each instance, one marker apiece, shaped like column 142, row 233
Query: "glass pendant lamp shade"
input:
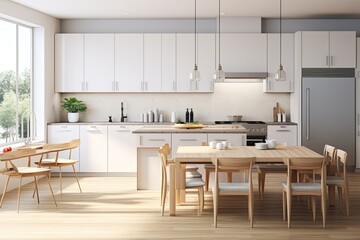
column 219, row 75
column 195, row 74
column 280, row 74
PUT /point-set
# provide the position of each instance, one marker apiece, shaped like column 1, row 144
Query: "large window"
column 15, row 81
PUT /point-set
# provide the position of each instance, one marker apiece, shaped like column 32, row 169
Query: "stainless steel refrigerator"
column 328, row 110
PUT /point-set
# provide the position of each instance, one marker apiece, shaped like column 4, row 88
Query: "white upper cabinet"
column 99, row 62
column 287, row 60
column 206, row 62
column 185, row 60
column 129, row 62
column 69, row 62
column 328, row 49
column 168, row 62
column 152, row 63
column 244, row 52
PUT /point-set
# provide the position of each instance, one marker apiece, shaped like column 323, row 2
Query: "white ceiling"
column 175, row 9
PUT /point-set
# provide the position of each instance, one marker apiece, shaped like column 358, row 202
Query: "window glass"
column 15, row 81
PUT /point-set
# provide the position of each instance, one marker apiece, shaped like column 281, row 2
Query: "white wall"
column 246, row 99
column 45, row 28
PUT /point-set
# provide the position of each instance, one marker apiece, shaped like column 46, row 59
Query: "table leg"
column 172, row 193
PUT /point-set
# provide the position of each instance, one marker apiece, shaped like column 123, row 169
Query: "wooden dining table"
column 205, row 154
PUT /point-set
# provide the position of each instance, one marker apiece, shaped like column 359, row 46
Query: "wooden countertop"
column 238, row 128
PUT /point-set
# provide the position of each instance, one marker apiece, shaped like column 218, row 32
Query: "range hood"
column 244, row 77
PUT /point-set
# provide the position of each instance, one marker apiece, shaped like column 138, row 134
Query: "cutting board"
column 276, row 110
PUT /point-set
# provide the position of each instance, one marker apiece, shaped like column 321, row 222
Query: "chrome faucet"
column 31, row 134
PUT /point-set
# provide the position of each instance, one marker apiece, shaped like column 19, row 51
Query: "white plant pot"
column 73, row 117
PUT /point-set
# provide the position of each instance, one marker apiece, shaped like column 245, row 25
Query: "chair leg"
column 4, row 192
column 251, row 210
column 36, row 190
column 163, row 197
column 284, row 205
column 259, row 184
column 313, row 207
column 288, row 198
column 60, row 182
column 19, row 192
column 215, row 203
column 346, row 192
column 207, row 178
column 323, row 208
column 52, row 193
column 76, row 178
column 339, row 189
column 229, row 177
column 263, row 175
column 161, row 189
column 201, row 200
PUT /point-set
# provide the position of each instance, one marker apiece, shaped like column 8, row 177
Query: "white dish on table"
column 261, row 146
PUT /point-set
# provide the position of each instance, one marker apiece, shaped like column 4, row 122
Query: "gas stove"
column 254, row 128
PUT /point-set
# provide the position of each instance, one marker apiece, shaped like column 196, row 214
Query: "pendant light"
column 195, row 74
column 219, row 75
column 280, row 74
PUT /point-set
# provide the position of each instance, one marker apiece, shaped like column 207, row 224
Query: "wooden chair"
column 193, row 182
column 21, row 172
column 61, row 162
column 340, row 179
column 222, row 188
column 263, row 169
column 311, row 189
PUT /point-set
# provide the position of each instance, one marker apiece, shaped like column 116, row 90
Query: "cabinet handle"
column 308, row 114
column 142, row 86
column 86, row 86
column 113, row 86
column 64, row 131
column 188, row 140
column 220, row 140
column 146, row 86
column 327, row 60
column 156, row 140
column 82, row 86
column 123, row 131
column 174, row 85
column 283, row 130
column 331, row 60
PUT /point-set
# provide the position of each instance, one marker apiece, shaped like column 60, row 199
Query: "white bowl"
column 271, row 143
column 261, row 146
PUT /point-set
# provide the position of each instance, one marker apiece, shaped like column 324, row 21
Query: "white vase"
column 73, row 117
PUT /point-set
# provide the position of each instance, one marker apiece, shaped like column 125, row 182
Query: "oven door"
column 251, row 140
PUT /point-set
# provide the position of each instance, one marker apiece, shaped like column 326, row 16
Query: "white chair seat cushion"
column 303, row 186
column 233, row 187
column 29, row 170
column 194, row 182
column 60, row 161
column 193, row 175
column 333, row 180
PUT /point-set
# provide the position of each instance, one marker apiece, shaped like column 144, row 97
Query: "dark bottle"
column 191, row 115
column 187, row 119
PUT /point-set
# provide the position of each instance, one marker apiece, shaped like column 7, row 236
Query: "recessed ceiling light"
column 223, row 13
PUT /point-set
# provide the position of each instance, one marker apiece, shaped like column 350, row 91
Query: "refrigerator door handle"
column 308, row 114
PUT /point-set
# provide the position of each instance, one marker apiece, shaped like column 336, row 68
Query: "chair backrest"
column 316, row 165
column 57, row 146
column 74, row 143
column 329, row 153
column 341, row 158
column 164, row 152
column 237, row 164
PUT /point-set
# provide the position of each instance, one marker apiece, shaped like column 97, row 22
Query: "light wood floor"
column 111, row 208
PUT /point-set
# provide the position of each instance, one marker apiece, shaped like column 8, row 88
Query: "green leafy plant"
column 73, row 105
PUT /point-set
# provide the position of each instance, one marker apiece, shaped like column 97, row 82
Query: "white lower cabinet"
column 149, row 167
column 235, row 139
column 122, row 144
column 283, row 134
column 62, row 134
column 93, row 148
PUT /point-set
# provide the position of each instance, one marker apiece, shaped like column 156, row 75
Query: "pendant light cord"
column 195, row 35
column 219, row 32
column 280, row 32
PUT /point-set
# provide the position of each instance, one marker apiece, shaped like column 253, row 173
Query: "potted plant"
column 73, row 106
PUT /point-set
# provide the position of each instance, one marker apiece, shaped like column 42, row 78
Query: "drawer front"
column 236, row 139
column 283, row 134
column 154, row 140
